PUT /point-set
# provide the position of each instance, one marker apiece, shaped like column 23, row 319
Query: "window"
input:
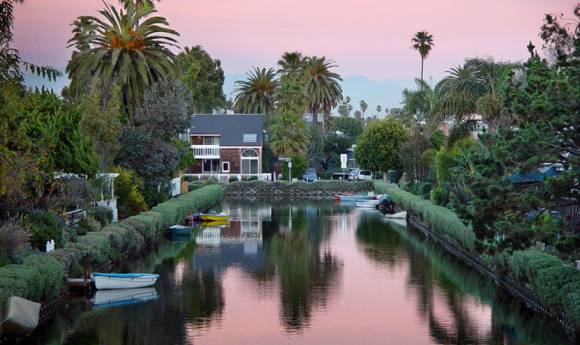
column 250, row 138
column 226, row 167
column 213, row 140
column 250, row 161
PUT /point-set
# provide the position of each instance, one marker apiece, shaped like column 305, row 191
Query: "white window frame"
column 223, row 167
column 249, row 159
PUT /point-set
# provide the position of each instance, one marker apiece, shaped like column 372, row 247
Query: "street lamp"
column 290, row 169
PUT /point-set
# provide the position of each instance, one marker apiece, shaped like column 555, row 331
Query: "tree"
column 290, row 95
column 322, row 87
column 411, row 153
column 129, row 48
column 289, row 136
column 256, row 94
column 164, row 111
column 423, row 43
column 358, row 115
column 204, row 78
column 417, row 105
column 379, row 109
column 378, row 146
column 363, row 107
column 292, row 63
column 345, row 107
column 101, row 121
column 349, row 126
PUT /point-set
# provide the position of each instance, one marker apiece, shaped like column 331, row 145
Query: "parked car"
column 310, row 175
column 360, row 175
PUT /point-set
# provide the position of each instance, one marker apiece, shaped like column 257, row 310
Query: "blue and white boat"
column 355, row 197
column 105, row 281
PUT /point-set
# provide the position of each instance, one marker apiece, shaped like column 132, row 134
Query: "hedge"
column 555, row 283
column 41, row 275
column 438, row 218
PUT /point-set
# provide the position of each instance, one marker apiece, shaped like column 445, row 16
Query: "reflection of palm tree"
column 306, row 275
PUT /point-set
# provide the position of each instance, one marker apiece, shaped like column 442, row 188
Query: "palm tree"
column 322, row 87
column 129, row 48
column 379, row 109
column 423, row 43
column 363, row 107
column 289, row 136
column 457, row 93
column 256, row 93
column 291, row 63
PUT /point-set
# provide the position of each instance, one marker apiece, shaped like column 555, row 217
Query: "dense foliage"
column 378, row 146
column 204, row 78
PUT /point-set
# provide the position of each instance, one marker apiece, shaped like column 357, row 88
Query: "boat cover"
column 22, row 317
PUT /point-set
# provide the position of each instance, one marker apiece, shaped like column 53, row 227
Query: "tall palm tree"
column 129, row 48
column 291, row 63
column 423, row 43
column 322, row 87
column 457, row 93
column 363, row 107
column 289, row 135
column 256, row 93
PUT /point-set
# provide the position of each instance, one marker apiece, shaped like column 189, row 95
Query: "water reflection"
column 458, row 305
column 308, row 273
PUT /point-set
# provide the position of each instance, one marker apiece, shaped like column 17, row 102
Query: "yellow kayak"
column 214, row 217
column 214, row 223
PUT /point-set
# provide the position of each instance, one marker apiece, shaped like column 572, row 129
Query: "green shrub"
column 232, row 179
column 14, row 234
column 51, row 272
column 129, row 188
column 45, row 226
column 102, row 214
column 88, row 224
column 131, row 241
column 424, row 190
column 549, row 283
column 525, row 264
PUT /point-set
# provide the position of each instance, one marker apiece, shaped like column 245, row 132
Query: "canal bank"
column 541, row 280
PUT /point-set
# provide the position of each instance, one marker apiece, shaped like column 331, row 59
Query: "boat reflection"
column 121, row 297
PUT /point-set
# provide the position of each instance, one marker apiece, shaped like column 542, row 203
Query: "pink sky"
column 368, row 38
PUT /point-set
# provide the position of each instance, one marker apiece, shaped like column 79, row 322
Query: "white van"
column 360, row 175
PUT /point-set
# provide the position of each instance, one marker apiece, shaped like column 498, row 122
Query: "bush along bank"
column 319, row 189
column 41, row 276
column 554, row 284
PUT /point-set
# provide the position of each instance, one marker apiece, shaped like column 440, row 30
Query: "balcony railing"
column 206, row 151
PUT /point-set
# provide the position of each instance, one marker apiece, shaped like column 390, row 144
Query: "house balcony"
column 206, row 151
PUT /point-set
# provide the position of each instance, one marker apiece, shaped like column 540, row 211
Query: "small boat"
column 214, row 216
column 22, row 317
column 177, row 230
column 398, row 215
column 114, row 298
column 105, row 281
column 367, row 203
column 353, row 198
column 214, row 223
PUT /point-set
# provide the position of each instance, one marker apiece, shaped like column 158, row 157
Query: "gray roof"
column 230, row 128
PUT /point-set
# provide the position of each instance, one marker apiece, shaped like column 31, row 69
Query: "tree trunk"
column 422, row 59
column 314, row 118
column 384, row 176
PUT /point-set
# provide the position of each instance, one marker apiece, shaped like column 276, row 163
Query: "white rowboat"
column 105, row 281
column 398, row 215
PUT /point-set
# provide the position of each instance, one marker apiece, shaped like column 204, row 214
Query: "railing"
column 225, row 178
column 206, row 151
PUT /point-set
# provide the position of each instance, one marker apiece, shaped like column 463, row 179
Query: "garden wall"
column 41, row 276
column 543, row 281
column 318, row 189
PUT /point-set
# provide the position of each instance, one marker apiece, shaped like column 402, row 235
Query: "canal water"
column 308, row 272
